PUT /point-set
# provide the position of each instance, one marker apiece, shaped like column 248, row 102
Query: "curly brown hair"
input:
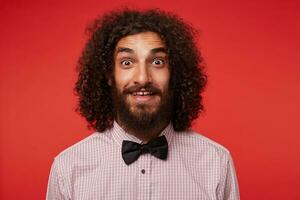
column 96, row 63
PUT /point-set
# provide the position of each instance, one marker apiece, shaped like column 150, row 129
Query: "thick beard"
column 141, row 122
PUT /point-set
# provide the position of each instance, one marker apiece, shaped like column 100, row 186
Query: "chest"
column 147, row 178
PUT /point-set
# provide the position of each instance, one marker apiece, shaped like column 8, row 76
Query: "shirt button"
column 143, row 171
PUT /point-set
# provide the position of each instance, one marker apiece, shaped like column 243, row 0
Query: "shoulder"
column 91, row 143
column 198, row 144
column 86, row 151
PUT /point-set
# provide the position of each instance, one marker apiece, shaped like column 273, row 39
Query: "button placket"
column 144, row 176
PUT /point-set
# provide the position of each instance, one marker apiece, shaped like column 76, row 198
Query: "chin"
column 142, row 109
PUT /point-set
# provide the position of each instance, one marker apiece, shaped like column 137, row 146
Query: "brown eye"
column 158, row 62
column 126, row 62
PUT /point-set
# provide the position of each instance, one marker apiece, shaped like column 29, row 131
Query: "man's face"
column 141, row 77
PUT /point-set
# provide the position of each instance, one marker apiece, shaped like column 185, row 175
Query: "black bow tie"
column 132, row 150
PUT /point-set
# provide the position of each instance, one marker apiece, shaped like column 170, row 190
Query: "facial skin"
column 141, row 79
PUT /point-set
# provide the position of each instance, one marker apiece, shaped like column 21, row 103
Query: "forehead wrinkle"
column 144, row 44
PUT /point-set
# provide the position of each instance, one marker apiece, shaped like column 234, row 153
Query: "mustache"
column 144, row 88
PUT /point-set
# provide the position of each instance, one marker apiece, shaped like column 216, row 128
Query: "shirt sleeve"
column 228, row 188
column 56, row 190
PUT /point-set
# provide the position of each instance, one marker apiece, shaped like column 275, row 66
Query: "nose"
column 142, row 75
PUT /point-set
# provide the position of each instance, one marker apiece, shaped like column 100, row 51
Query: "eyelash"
column 122, row 62
column 159, row 59
column 155, row 59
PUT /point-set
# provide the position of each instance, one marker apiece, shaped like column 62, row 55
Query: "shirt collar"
column 118, row 134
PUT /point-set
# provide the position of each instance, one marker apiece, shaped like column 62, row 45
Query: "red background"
column 252, row 100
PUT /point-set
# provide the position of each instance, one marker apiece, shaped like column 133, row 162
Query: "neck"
column 145, row 134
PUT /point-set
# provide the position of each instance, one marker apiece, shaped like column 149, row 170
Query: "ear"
column 109, row 81
column 109, row 75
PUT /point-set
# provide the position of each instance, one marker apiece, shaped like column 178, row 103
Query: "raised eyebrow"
column 158, row 50
column 124, row 49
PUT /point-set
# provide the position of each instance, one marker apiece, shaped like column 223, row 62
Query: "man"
column 139, row 86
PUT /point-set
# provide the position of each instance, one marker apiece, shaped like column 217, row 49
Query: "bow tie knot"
column 131, row 151
column 144, row 149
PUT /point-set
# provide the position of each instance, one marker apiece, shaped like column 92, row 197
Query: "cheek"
column 162, row 79
column 122, row 78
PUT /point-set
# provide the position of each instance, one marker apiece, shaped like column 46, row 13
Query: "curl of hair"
column 96, row 64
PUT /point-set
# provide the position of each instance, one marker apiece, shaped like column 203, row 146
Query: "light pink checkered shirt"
column 196, row 168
